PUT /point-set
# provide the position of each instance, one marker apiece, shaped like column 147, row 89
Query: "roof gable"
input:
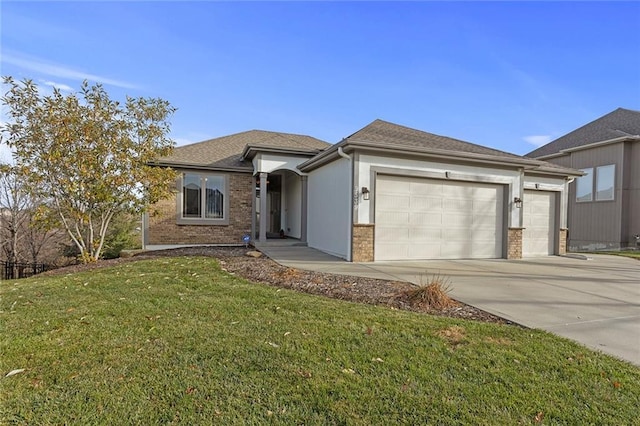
column 617, row 124
column 226, row 152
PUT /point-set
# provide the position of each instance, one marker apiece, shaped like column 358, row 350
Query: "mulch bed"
column 395, row 294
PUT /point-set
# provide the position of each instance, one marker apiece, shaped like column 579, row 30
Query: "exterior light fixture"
column 518, row 202
column 365, row 193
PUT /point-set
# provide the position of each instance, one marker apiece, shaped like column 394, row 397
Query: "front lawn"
column 179, row 341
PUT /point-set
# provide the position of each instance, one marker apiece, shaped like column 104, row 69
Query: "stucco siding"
column 329, row 207
column 291, row 212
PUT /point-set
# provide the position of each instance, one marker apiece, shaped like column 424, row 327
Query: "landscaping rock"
column 130, row 253
column 253, row 253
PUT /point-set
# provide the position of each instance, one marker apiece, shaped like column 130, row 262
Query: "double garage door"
column 418, row 218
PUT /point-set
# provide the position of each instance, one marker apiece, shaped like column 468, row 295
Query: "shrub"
column 432, row 292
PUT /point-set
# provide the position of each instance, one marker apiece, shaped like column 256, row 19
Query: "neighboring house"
column 604, row 204
column 387, row 192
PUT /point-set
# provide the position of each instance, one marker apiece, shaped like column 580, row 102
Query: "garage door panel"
column 458, row 221
column 443, row 219
column 424, row 251
column 424, row 235
column 393, row 186
column 422, row 203
column 425, row 219
column 394, row 217
column 394, row 234
column 484, row 205
column 391, row 251
column 393, row 202
column 433, row 189
column 483, row 220
column 456, row 205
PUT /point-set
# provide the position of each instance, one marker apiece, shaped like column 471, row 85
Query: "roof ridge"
column 378, row 120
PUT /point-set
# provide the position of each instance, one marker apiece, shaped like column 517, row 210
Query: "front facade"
column 224, row 184
column 415, row 195
column 603, row 201
column 387, row 192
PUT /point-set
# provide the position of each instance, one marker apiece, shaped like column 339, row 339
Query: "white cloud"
column 60, row 71
column 60, row 86
column 538, row 140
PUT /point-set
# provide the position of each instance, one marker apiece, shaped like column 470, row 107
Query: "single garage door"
column 538, row 237
column 417, row 218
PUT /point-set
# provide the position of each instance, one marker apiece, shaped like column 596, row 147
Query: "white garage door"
column 418, row 218
column 539, row 223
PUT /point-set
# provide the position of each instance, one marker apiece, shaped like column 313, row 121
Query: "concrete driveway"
column 595, row 301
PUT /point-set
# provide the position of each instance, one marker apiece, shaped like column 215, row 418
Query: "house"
column 604, row 203
column 387, row 192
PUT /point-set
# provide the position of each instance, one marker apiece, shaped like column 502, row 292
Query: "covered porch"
column 279, row 200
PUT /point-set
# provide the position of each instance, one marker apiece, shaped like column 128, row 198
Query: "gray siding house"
column 604, row 204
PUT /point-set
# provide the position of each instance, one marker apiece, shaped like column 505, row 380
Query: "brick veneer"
column 362, row 249
column 562, row 249
column 163, row 229
column 514, row 243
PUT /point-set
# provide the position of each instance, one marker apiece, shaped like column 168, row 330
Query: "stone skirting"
column 562, row 246
column 514, row 243
column 362, row 249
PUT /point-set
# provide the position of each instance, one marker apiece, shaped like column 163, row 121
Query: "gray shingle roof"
column 382, row 135
column 387, row 134
column 225, row 152
column 619, row 123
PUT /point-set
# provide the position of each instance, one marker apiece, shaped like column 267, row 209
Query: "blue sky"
column 509, row 75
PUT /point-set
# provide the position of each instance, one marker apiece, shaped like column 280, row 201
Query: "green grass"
column 178, row 341
column 634, row 254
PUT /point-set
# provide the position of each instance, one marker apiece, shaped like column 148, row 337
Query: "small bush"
column 432, row 293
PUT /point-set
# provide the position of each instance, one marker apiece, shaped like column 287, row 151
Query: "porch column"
column 303, row 219
column 253, row 208
column 262, row 236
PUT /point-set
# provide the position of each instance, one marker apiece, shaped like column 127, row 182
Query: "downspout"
column 350, row 220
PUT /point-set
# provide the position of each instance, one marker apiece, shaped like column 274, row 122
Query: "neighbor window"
column 597, row 184
column 605, row 182
column 584, row 186
column 204, row 197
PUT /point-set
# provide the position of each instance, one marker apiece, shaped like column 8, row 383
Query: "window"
column 605, row 182
column 584, row 186
column 604, row 190
column 203, row 199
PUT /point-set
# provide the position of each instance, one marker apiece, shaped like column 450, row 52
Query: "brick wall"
column 163, row 229
column 363, row 241
column 514, row 243
column 562, row 249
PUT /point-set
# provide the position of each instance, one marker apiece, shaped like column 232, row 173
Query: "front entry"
column 274, row 205
column 280, row 195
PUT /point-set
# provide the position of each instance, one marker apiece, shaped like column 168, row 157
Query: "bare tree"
column 15, row 204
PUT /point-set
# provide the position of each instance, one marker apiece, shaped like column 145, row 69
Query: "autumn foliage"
column 87, row 156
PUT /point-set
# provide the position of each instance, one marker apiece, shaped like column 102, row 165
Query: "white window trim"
column 180, row 220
